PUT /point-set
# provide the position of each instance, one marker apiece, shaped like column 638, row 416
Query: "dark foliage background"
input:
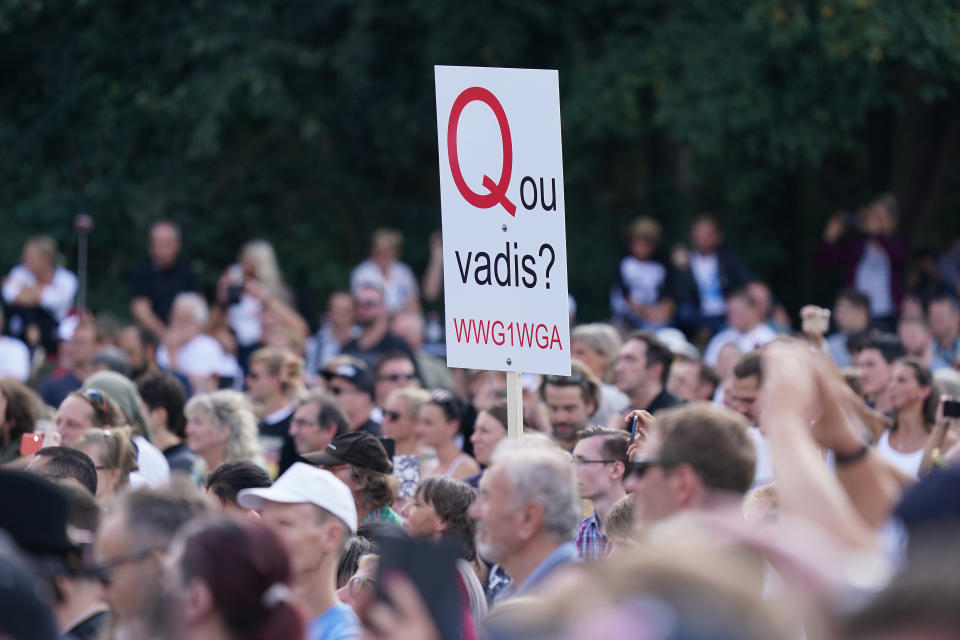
column 311, row 123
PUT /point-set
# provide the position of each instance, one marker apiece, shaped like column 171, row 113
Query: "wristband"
column 842, row 459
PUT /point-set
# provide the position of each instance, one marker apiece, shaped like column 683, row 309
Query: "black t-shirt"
column 161, row 286
column 371, row 427
column 390, row 342
column 281, row 429
column 664, row 400
column 180, row 458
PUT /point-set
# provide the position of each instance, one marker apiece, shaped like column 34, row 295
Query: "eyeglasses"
column 339, row 391
column 300, row 423
column 639, row 467
column 104, row 570
column 579, row 462
column 356, row 584
column 392, row 415
column 399, row 377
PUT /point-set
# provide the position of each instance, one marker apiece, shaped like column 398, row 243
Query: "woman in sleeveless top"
column 400, row 423
column 437, row 426
column 914, row 400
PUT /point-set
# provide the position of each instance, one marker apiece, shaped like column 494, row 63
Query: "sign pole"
column 514, row 404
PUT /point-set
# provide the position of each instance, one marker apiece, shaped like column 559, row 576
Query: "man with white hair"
column 526, row 511
column 189, row 351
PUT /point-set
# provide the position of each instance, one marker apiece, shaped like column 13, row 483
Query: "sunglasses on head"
column 98, row 400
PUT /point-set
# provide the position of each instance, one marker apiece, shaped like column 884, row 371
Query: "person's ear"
column 197, row 601
column 531, row 520
column 113, row 475
column 616, row 470
column 687, row 486
column 331, row 534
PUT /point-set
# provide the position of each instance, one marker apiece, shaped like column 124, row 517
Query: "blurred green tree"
column 311, row 123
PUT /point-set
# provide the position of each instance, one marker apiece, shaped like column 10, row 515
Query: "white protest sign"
column 504, row 237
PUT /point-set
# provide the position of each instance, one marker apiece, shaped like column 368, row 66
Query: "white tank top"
column 909, row 463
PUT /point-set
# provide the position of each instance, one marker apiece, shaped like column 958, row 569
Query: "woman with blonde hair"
column 221, row 428
column 400, row 423
column 114, row 458
column 246, row 292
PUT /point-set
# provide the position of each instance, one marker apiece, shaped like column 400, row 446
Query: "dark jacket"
column 846, row 253
column 733, row 275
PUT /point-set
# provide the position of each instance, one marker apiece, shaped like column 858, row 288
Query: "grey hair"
column 541, row 472
column 154, row 515
column 228, row 410
column 201, row 312
column 602, row 338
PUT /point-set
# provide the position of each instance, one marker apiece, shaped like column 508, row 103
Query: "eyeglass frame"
column 639, row 467
column 397, row 377
column 356, row 584
column 579, row 461
column 104, row 570
column 302, row 423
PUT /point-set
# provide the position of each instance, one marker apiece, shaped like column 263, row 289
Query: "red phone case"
column 30, row 443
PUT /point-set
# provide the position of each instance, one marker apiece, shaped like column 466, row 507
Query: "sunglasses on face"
column 399, row 377
column 638, row 468
column 392, row 415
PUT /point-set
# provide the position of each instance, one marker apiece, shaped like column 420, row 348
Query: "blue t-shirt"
column 338, row 623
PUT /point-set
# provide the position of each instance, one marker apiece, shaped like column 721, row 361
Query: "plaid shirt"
column 592, row 544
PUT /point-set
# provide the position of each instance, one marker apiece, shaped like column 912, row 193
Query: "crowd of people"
column 239, row 466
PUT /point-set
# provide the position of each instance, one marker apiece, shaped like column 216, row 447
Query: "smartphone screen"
column 951, row 409
column 30, row 443
column 633, row 428
column 432, row 569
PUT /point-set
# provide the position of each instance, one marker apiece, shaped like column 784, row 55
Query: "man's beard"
column 486, row 550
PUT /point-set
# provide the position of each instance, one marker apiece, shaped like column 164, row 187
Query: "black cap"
column 34, row 511
column 357, row 374
column 358, row 448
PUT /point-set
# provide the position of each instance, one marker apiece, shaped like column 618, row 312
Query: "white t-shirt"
column 56, row 297
column 747, row 342
column 202, row 356
column 642, row 279
column 245, row 320
column 399, row 285
column 14, row 359
column 154, row 470
column 706, row 271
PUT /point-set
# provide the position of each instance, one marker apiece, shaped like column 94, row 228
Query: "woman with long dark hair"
column 230, row 581
column 914, row 398
column 438, row 424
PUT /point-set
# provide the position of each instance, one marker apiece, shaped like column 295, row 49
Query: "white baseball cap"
column 302, row 483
